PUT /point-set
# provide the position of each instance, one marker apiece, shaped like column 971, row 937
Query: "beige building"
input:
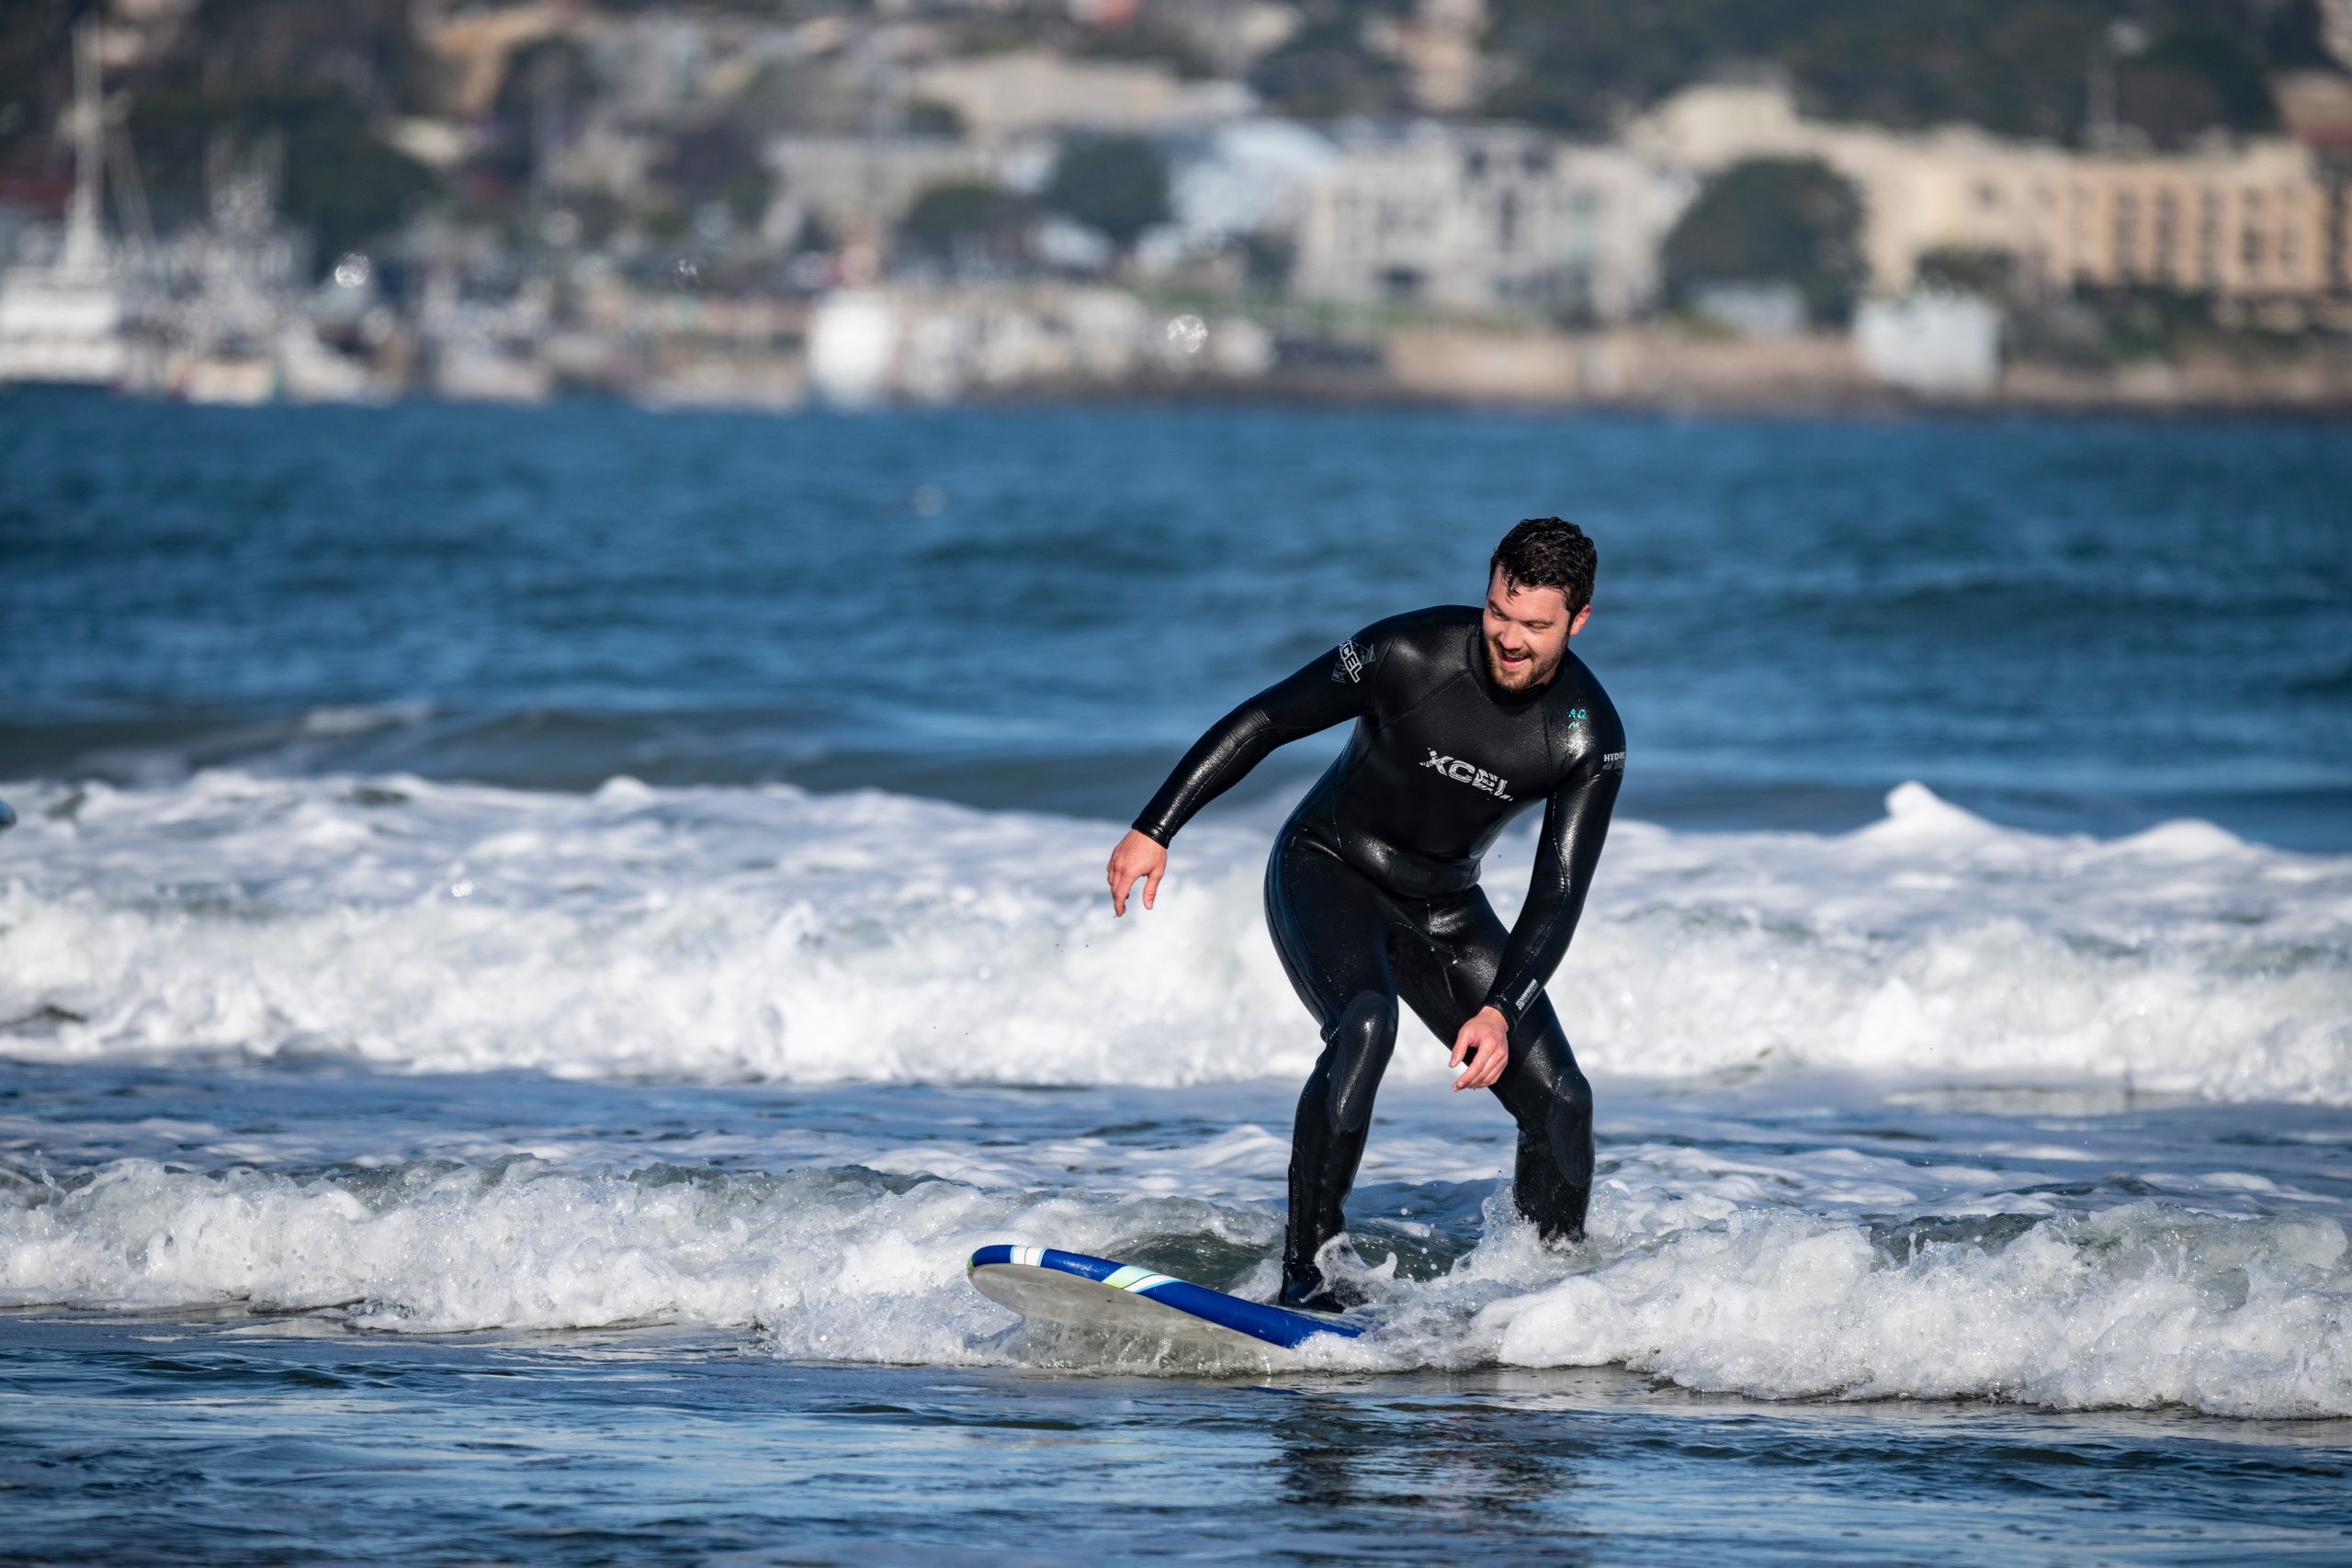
column 1486, row 218
column 2247, row 220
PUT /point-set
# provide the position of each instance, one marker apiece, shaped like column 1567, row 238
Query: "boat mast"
column 84, row 243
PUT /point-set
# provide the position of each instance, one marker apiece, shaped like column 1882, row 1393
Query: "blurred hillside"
column 2017, row 67
column 325, row 71
column 520, row 187
column 323, row 74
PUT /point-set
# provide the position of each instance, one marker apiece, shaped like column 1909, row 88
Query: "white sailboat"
column 61, row 321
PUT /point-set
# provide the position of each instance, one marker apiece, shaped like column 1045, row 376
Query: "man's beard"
column 1535, row 674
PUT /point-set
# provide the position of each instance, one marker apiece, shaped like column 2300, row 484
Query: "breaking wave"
column 2137, row 1306
column 770, row 933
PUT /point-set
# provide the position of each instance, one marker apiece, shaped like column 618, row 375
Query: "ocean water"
column 539, row 941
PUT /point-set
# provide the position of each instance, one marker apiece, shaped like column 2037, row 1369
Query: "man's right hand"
column 1137, row 856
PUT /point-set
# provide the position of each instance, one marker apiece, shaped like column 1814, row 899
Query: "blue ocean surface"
column 539, row 941
column 2068, row 625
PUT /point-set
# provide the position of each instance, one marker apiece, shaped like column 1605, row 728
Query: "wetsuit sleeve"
column 1575, row 821
column 1332, row 689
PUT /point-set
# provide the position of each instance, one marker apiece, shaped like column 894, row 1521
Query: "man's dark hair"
column 1546, row 552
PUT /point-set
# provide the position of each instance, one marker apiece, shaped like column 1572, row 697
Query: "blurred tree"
column 2295, row 37
column 369, row 48
column 1325, row 72
column 339, row 181
column 1580, row 65
column 341, row 184
column 929, row 117
column 1270, row 259
column 2020, row 67
column 1991, row 275
column 717, row 163
column 1115, row 184
column 965, row 220
column 1772, row 220
column 290, row 52
column 2194, row 78
column 36, row 82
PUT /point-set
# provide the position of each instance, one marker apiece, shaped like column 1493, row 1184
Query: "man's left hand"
column 1485, row 1044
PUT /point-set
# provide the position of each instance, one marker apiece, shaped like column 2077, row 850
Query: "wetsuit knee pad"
column 1571, row 1105
column 1358, row 1047
column 1551, row 1101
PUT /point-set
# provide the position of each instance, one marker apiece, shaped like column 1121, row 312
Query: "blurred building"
column 1941, row 345
column 1003, row 94
column 1484, row 217
column 2241, row 219
column 2317, row 109
column 727, row 205
column 867, row 346
column 1254, row 176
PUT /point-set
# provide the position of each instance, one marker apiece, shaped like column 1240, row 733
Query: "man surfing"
column 1463, row 718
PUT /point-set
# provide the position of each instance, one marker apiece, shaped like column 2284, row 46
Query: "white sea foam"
column 2140, row 1304
column 841, row 1263
column 2180, row 959
column 706, row 932
column 770, row 933
column 2136, row 1305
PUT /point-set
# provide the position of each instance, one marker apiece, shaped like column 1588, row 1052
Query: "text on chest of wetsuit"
column 1470, row 773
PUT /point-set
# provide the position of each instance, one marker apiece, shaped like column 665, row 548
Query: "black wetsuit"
column 1372, row 891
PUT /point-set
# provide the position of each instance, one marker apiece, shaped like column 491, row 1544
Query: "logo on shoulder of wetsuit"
column 1353, row 657
column 1469, row 773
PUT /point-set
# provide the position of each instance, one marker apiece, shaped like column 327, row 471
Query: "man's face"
column 1527, row 632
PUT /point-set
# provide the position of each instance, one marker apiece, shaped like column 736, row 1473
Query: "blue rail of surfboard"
column 1275, row 1325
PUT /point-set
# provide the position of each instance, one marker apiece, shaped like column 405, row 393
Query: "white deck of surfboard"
column 1097, row 1310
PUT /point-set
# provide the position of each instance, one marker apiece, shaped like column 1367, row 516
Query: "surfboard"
column 1073, row 1290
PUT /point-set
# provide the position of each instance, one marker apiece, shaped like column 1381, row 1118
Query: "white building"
column 1939, row 343
column 870, row 346
column 1251, row 178
column 1486, row 218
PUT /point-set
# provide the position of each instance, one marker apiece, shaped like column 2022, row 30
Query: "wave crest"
column 2134, row 1306
column 773, row 934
